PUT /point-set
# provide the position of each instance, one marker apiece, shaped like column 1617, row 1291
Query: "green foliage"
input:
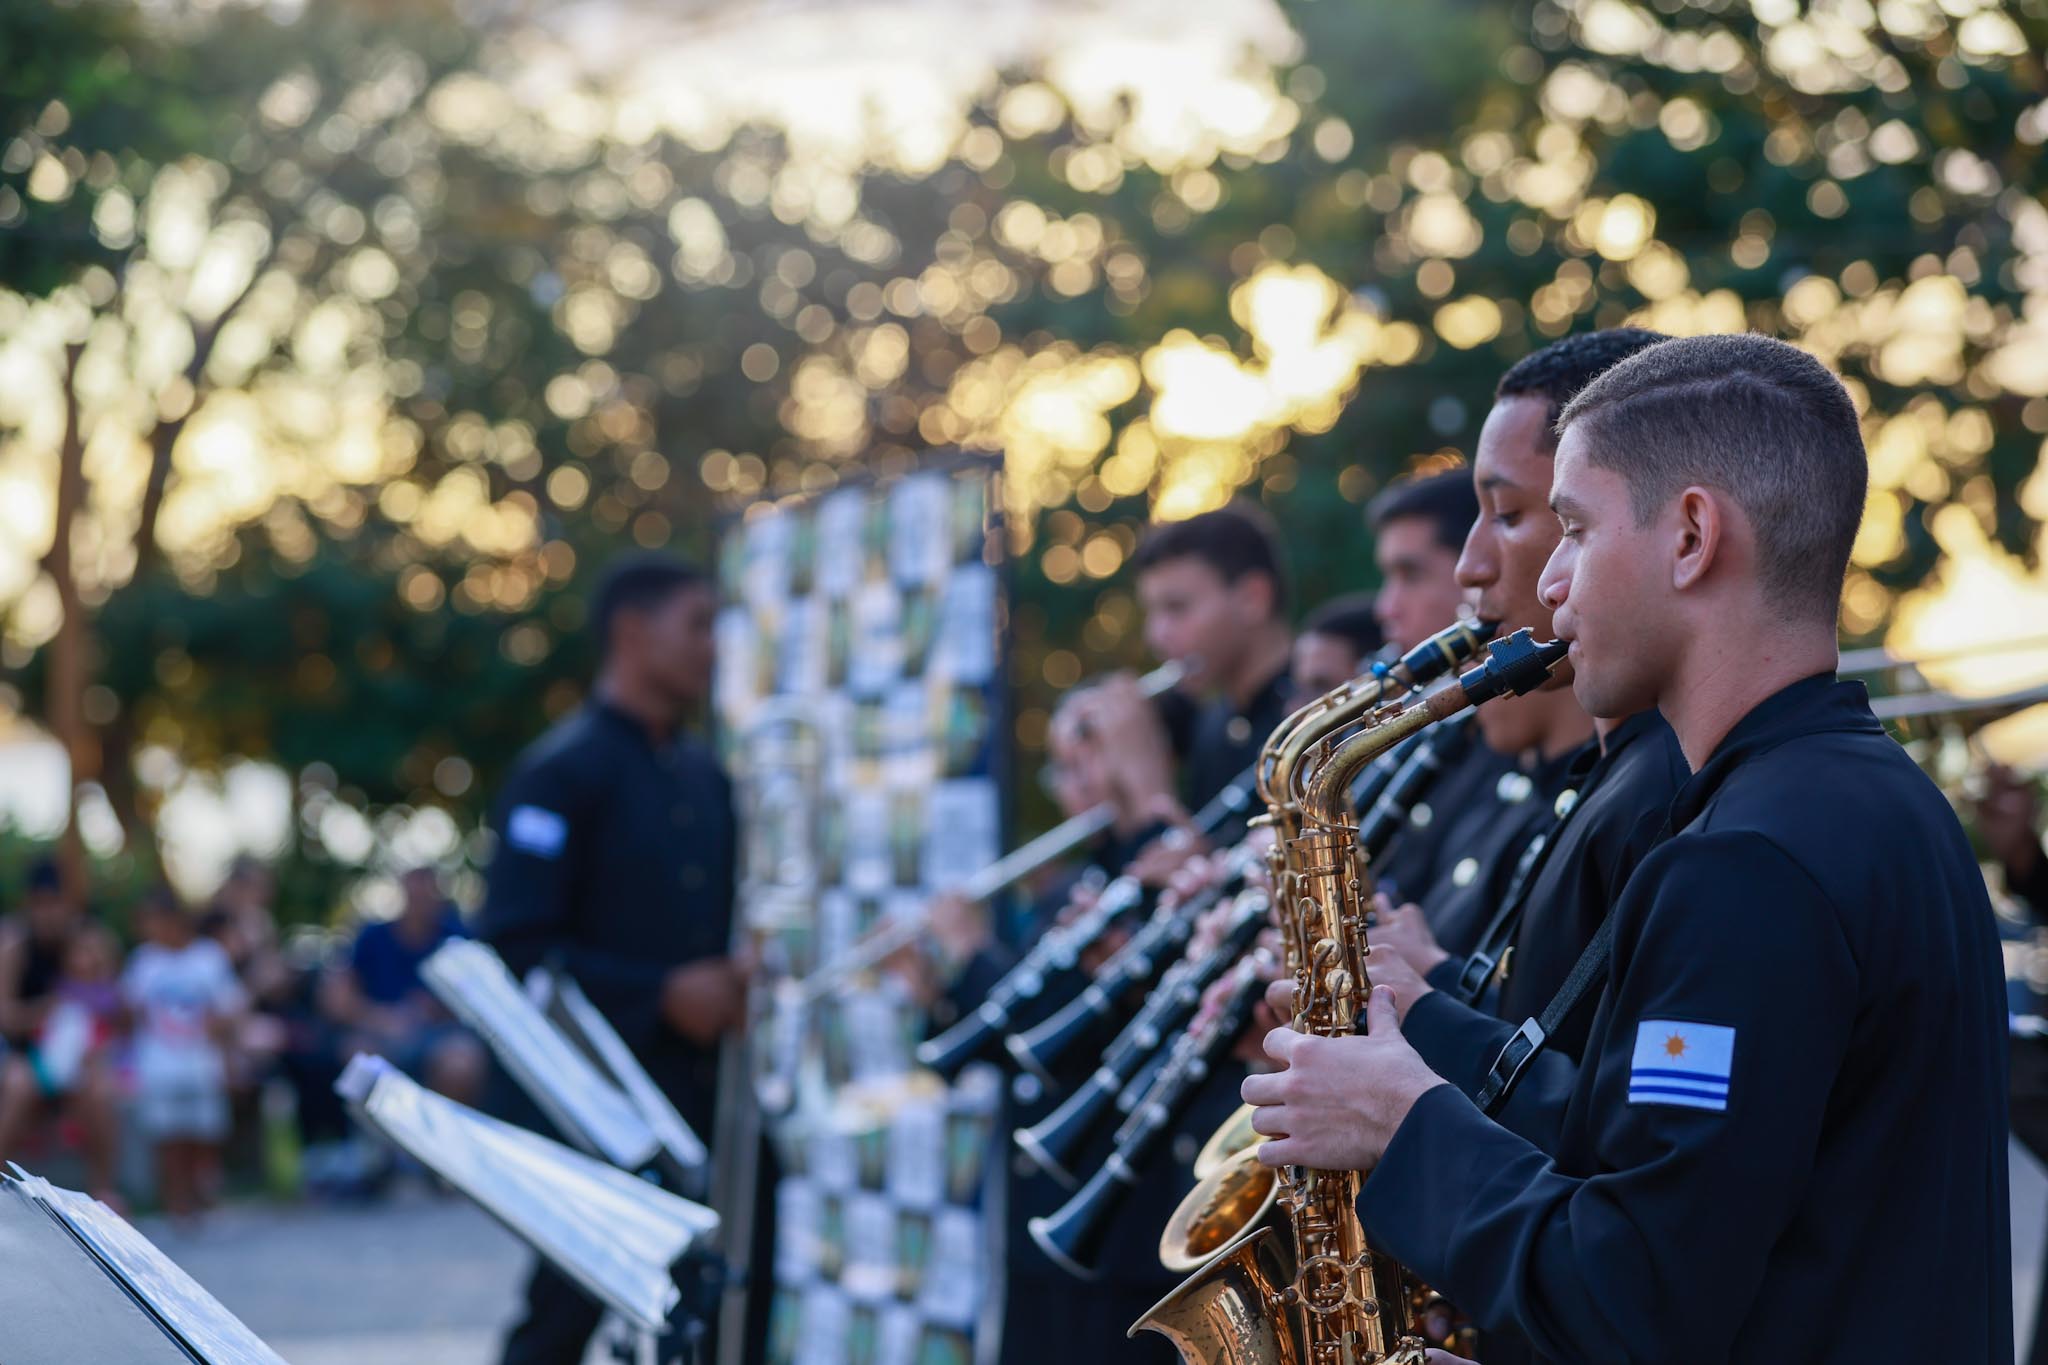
column 630, row 338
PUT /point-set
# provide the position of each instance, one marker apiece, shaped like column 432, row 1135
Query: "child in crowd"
column 85, row 1015
column 186, row 1002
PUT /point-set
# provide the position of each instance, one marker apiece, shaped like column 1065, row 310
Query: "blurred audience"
column 380, row 1004
column 53, row 965
column 186, row 1002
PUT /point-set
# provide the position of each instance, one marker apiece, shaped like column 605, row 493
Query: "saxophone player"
column 1792, row 1100
column 1619, row 786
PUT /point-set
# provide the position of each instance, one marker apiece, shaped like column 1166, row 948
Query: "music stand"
column 683, row 1156
column 82, row 1284
column 614, row 1235
column 585, row 1106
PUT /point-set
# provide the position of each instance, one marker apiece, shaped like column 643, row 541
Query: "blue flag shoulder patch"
column 1682, row 1063
column 531, row 829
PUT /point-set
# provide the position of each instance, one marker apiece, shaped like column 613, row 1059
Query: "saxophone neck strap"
column 1514, row 1059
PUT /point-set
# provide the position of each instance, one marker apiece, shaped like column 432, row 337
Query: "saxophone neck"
column 1517, row 665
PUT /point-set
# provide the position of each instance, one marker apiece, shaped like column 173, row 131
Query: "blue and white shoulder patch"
column 531, row 829
column 1682, row 1063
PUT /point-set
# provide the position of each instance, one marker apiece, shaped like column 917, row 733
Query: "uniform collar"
column 1816, row 705
column 626, row 722
column 1630, row 730
column 1240, row 724
column 1269, row 697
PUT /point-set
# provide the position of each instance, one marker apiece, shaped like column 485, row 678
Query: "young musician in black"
column 1543, row 912
column 1214, row 592
column 1503, row 767
column 1790, row 1120
column 1334, row 644
column 615, row 860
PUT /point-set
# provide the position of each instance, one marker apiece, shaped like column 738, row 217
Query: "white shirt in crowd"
column 175, row 993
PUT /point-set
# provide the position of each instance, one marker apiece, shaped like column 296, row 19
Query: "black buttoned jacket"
column 1815, row 911
column 615, row 860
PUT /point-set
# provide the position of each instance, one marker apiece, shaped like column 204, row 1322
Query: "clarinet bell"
column 1072, row 1237
column 1052, row 1142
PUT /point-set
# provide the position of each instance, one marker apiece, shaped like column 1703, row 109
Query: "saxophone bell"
column 1232, row 1199
column 1235, row 1312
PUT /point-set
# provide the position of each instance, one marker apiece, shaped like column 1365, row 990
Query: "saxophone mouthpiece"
column 1517, row 664
column 1443, row 651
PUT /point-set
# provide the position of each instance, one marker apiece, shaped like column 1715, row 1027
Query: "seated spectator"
column 242, row 920
column 187, row 1003
column 42, row 1068
column 86, row 1015
column 379, row 998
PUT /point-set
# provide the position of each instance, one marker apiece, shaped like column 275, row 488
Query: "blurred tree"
column 398, row 327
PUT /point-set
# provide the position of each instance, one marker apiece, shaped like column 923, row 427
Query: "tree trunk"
column 70, row 666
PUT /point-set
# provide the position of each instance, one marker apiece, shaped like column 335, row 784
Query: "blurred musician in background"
column 1335, row 644
column 614, row 861
column 1214, row 594
column 953, row 970
column 1419, row 527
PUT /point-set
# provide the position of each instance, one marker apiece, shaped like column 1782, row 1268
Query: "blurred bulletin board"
column 860, row 703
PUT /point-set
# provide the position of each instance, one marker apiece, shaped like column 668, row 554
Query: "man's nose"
column 1475, row 567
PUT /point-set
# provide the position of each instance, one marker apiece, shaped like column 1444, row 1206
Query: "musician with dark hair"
column 1418, row 526
column 615, row 860
column 1214, row 592
column 1537, row 915
column 1792, row 1100
column 1334, row 643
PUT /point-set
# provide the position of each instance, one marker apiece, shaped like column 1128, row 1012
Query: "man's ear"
column 1699, row 531
column 628, row 631
column 1258, row 595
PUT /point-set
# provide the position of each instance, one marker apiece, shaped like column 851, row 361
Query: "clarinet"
column 1132, row 1063
column 1162, row 938
column 1072, row 1237
column 1055, row 959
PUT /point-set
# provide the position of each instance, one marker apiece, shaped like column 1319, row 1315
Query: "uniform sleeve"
column 1740, row 963
column 1460, row 1043
column 544, row 836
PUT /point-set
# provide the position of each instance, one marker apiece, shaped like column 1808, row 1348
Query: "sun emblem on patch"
column 1674, row 1046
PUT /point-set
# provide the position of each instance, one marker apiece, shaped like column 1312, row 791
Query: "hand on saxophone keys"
column 1383, row 964
column 1336, row 1103
column 1402, row 931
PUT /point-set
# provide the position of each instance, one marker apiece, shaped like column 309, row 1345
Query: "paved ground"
column 415, row 1280
column 428, row 1281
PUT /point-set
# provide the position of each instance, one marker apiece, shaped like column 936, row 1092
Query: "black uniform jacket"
column 1622, row 796
column 615, row 859
column 1813, row 946
column 1421, row 852
column 1484, row 836
column 1223, row 738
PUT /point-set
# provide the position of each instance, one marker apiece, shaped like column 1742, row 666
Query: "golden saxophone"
column 1329, row 1299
